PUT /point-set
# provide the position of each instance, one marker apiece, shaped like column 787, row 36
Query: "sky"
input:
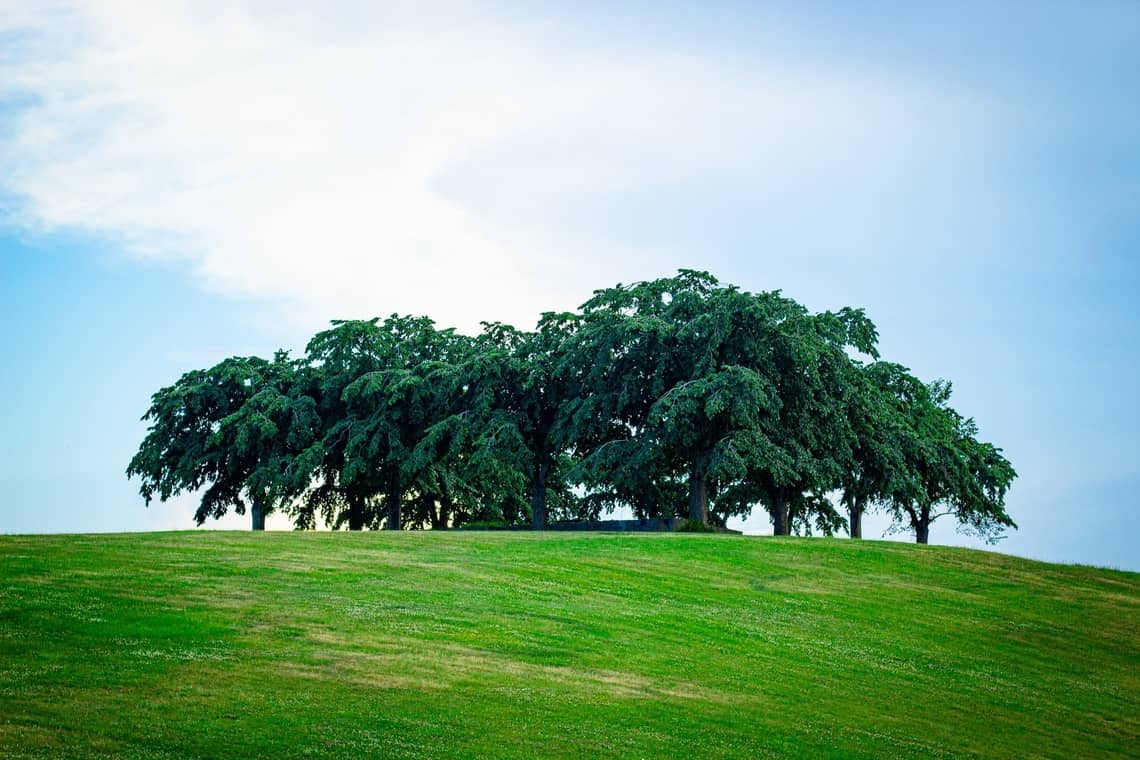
column 185, row 181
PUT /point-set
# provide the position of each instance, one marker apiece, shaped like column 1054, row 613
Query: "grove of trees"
column 679, row 397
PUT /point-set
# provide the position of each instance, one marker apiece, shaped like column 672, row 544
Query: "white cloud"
column 375, row 159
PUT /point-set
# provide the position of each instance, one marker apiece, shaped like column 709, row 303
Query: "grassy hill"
column 577, row 645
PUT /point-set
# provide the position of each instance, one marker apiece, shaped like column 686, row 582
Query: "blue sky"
column 183, row 183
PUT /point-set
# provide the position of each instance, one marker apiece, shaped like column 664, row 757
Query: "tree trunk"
column 355, row 513
column 538, row 497
column 780, row 523
column 395, row 499
column 431, row 509
column 922, row 532
column 444, row 512
column 257, row 515
column 698, row 491
column 855, row 518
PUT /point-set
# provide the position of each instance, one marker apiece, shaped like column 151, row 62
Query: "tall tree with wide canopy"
column 880, row 394
column 470, row 465
column 665, row 409
column 232, row 430
column 519, row 412
column 807, row 358
column 389, row 410
column 949, row 472
column 644, row 368
column 334, row 359
column 739, row 393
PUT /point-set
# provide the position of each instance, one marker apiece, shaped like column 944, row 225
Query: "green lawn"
column 576, row 645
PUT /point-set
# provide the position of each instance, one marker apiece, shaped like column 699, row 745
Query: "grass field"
column 575, row 645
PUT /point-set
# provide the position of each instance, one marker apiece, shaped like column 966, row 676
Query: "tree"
column 808, row 362
column 635, row 347
column 681, row 369
column 519, row 412
column 389, row 410
column 740, row 394
column 949, row 472
column 267, row 431
column 334, row 359
column 877, row 403
column 468, row 465
column 231, row 430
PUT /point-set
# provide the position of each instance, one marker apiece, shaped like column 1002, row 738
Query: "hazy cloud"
column 378, row 159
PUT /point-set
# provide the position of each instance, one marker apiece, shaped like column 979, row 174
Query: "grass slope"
column 577, row 645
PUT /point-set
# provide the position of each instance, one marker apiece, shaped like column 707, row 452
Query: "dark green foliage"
column 877, row 402
column 676, row 397
column 334, row 359
column 389, row 410
column 522, row 401
column 231, row 430
column 738, row 396
column 947, row 471
column 674, row 366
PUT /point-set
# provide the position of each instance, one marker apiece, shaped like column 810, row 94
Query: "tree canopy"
column 677, row 397
column 230, row 432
